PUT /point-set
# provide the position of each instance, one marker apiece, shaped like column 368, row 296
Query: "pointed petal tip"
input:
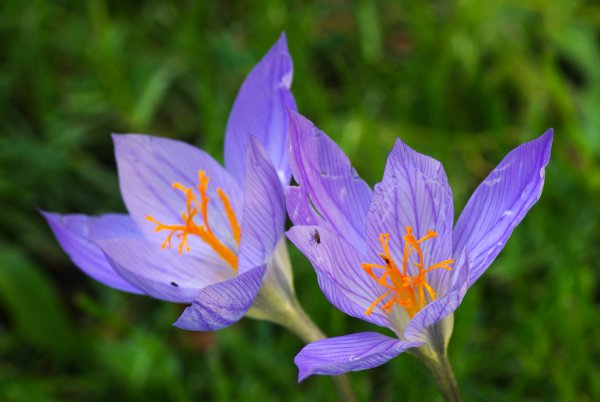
column 398, row 142
column 547, row 137
column 282, row 41
column 52, row 218
column 260, row 108
column 543, row 144
column 303, row 374
column 46, row 214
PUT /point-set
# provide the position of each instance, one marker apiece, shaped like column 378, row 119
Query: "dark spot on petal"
column 174, row 284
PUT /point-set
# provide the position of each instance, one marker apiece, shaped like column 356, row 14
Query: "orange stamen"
column 189, row 227
column 235, row 227
column 412, row 292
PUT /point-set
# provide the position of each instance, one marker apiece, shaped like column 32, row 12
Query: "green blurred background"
column 464, row 81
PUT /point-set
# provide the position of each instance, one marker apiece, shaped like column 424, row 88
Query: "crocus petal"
column 501, row 202
column 73, row 232
column 148, row 166
column 224, row 303
column 163, row 274
column 260, row 109
column 341, row 277
column 264, row 209
column 416, row 330
column 414, row 192
column 299, row 208
column 333, row 356
column 325, row 173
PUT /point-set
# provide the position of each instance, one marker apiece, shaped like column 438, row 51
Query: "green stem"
column 277, row 302
column 300, row 324
column 441, row 370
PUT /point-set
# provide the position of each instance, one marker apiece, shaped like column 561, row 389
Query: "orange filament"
column 189, row 227
column 410, row 292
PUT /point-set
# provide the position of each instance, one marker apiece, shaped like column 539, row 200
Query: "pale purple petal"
column 73, row 232
column 501, row 202
column 148, row 166
column 299, row 209
column 264, row 209
column 333, row 356
column 163, row 274
column 224, row 303
column 341, row 278
column 416, row 330
column 322, row 169
column 260, row 109
column 414, row 192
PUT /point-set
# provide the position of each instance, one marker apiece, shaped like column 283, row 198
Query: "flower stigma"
column 195, row 207
column 411, row 292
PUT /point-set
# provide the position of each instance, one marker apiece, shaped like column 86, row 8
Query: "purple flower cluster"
column 206, row 235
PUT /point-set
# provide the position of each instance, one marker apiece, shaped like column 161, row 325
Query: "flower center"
column 189, row 227
column 411, row 292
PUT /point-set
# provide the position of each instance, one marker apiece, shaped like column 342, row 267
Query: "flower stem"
column 301, row 325
column 277, row 302
column 441, row 370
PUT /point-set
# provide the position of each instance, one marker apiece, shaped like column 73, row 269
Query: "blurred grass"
column 464, row 81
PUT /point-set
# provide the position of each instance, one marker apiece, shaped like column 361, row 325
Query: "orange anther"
column 189, row 227
column 412, row 292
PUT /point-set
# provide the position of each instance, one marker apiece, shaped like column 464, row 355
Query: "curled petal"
column 74, row 233
column 339, row 272
column 322, row 169
column 333, row 356
column 223, row 303
column 163, row 274
column 260, row 110
column 501, row 202
column 264, row 209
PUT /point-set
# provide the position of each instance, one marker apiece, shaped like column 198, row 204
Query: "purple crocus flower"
column 392, row 256
column 197, row 232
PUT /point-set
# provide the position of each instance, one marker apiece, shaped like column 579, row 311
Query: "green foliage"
column 464, row 81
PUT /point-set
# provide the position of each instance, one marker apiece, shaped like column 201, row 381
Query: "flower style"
column 391, row 256
column 197, row 232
